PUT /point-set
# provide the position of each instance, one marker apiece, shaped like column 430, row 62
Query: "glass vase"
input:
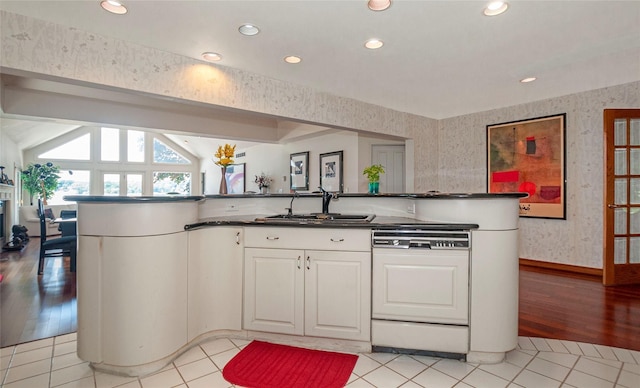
column 374, row 187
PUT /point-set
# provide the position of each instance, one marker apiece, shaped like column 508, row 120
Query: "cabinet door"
column 274, row 290
column 215, row 280
column 338, row 294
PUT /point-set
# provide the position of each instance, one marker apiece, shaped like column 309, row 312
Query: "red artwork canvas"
column 529, row 156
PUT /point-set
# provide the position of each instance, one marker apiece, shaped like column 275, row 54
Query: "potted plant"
column 263, row 181
column 40, row 179
column 373, row 175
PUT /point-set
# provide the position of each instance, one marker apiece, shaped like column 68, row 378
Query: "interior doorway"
column 392, row 157
column 622, row 197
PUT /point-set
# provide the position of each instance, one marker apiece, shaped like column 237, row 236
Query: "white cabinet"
column 322, row 291
column 338, row 294
column 132, row 299
column 215, row 280
column 274, row 290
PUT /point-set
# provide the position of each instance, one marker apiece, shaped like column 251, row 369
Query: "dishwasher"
column 420, row 291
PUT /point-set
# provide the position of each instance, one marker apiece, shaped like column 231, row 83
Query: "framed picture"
column 299, row 168
column 529, row 156
column 235, row 177
column 331, row 171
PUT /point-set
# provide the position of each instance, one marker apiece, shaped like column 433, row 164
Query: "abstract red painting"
column 529, row 156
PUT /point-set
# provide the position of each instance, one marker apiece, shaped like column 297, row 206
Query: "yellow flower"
column 225, row 155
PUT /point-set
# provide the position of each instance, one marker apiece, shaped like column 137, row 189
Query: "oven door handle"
column 413, row 244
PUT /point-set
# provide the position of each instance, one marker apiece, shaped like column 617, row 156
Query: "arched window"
column 125, row 162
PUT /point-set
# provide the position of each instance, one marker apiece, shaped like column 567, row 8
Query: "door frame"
column 627, row 273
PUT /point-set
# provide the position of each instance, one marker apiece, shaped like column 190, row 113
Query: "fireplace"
column 2, row 224
column 6, row 218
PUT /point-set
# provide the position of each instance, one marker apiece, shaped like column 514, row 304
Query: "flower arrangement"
column 225, row 155
column 263, row 180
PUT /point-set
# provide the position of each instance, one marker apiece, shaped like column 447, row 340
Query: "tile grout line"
column 564, row 381
column 593, row 358
column 6, row 373
column 615, row 383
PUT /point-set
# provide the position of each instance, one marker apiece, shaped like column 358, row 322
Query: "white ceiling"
column 440, row 59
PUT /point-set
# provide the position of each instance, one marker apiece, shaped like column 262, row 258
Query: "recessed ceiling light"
column 292, row 59
column 496, row 8
column 528, row 79
column 113, row 6
column 248, row 29
column 379, row 5
column 373, row 44
column 211, row 56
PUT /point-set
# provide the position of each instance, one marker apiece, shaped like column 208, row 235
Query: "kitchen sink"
column 318, row 217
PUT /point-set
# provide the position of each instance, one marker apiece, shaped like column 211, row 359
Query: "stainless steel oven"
column 420, row 290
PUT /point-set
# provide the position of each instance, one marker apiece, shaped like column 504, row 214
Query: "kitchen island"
column 158, row 275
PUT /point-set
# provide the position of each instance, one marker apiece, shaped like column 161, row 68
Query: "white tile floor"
column 536, row 363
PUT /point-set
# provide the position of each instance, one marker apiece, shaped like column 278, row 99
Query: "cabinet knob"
column 273, row 238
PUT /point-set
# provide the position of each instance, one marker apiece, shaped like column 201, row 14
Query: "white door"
column 392, row 158
column 337, row 294
column 274, row 290
column 215, row 280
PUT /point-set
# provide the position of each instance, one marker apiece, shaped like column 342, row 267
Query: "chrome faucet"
column 326, row 199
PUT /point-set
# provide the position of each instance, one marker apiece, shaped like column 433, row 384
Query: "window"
column 76, row 182
column 134, row 184
column 135, row 146
column 124, row 162
column 111, row 184
column 76, row 149
column 110, row 144
column 165, row 183
column 162, row 153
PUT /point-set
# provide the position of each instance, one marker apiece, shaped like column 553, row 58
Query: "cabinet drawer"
column 309, row 238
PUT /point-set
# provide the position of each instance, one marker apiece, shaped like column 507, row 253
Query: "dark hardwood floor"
column 33, row 307
column 576, row 307
column 553, row 304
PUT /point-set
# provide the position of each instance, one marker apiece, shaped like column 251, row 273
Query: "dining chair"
column 55, row 247
column 67, row 228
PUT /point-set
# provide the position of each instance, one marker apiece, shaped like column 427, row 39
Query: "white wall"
column 347, row 142
column 449, row 154
column 273, row 160
column 11, row 159
column 578, row 240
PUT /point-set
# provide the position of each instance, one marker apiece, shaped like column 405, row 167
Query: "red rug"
column 267, row 365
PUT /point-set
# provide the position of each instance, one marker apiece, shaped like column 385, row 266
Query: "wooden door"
column 622, row 197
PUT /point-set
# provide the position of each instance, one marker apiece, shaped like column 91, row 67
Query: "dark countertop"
column 179, row 198
column 127, row 199
column 429, row 194
column 377, row 223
